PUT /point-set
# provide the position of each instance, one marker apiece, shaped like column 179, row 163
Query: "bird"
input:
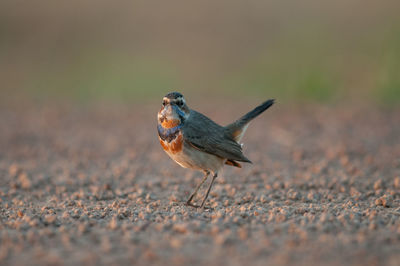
column 196, row 142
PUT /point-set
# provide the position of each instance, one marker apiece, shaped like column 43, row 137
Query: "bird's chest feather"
column 171, row 139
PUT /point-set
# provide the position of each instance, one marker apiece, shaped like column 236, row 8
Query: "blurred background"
column 96, row 50
column 84, row 180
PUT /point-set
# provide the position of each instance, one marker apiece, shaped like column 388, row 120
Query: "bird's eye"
column 164, row 103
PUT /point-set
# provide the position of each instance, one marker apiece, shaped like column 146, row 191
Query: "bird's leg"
column 206, row 173
column 208, row 190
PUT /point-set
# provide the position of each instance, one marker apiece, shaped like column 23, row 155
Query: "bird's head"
column 174, row 110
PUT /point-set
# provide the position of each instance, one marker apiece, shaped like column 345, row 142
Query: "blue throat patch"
column 168, row 134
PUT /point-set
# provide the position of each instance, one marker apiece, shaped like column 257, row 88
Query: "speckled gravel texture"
column 91, row 185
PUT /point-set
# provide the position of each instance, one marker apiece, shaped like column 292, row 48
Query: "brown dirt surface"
column 92, row 186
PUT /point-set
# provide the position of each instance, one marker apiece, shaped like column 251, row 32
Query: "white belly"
column 193, row 158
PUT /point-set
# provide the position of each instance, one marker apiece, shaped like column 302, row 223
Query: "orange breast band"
column 165, row 146
column 174, row 146
column 177, row 144
column 170, row 123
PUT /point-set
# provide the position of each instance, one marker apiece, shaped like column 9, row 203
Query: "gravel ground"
column 93, row 186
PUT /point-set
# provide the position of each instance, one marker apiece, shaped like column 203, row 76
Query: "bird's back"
column 206, row 135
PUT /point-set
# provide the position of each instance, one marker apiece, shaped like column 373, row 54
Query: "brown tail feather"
column 233, row 163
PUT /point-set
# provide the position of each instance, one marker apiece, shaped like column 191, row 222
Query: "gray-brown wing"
column 206, row 135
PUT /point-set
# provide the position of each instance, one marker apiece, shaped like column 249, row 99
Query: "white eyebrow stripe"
column 180, row 98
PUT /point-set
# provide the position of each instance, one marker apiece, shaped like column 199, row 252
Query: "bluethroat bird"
column 195, row 141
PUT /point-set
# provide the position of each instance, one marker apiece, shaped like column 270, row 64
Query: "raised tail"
column 237, row 128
